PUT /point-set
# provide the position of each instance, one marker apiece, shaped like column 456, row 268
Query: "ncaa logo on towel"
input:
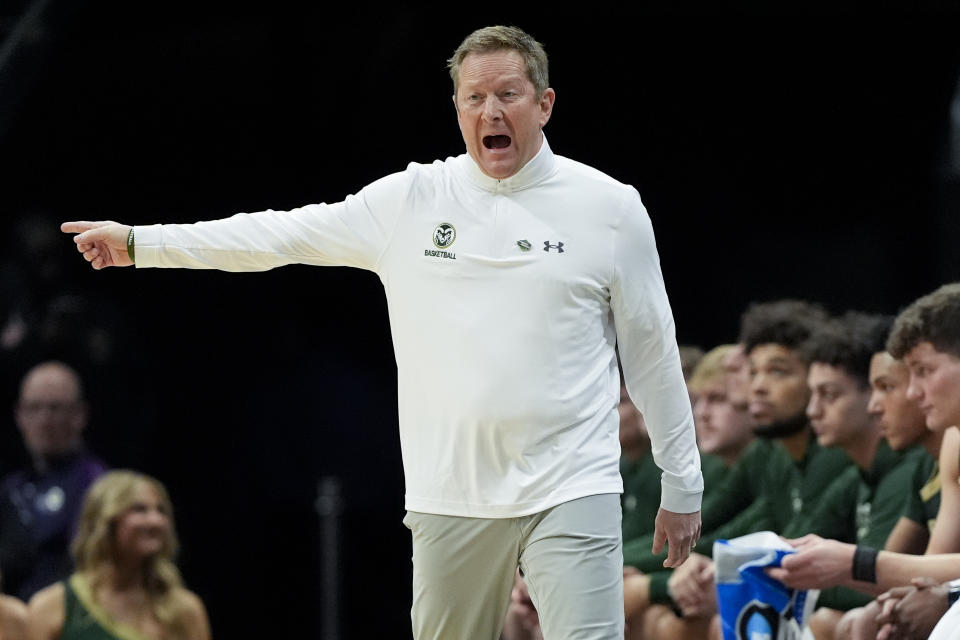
column 444, row 235
column 758, row 621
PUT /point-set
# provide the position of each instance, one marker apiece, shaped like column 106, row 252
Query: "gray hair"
column 499, row 38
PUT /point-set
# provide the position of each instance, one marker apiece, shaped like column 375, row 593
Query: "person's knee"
column 672, row 627
column 823, row 623
column 860, row 624
column 845, row 627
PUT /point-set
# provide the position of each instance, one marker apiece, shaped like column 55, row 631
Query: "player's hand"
column 103, row 244
column 680, row 532
column 692, row 586
column 817, row 564
column 912, row 612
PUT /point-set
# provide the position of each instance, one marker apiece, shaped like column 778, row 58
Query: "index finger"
column 886, row 615
column 777, row 573
column 896, row 592
column 802, row 540
column 792, row 561
column 78, row 226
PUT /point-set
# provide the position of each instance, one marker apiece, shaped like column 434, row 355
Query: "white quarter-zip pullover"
column 506, row 300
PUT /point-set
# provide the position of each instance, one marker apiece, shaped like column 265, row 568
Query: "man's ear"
column 546, row 105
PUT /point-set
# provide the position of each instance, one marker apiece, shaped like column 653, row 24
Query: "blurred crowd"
column 85, row 551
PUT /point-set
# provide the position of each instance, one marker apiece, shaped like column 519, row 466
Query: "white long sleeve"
column 506, row 300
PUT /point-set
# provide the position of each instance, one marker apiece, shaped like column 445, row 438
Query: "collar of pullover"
column 540, row 167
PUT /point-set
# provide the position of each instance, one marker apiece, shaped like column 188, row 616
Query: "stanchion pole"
column 329, row 506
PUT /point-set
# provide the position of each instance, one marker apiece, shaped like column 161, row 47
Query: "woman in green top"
column 126, row 586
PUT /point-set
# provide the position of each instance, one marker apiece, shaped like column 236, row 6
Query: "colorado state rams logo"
column 444, row 235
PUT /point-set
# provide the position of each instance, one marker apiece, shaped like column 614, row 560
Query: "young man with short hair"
column 921, row 529
column 868, row 501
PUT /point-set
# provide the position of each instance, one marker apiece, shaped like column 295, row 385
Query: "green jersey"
column 772, row 492
column 84, row 619
column 863, row 506
column 923, row 502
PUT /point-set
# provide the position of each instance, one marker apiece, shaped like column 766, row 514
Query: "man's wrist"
column 130, row 247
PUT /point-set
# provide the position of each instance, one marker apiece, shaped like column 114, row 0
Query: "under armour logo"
column 547, row 246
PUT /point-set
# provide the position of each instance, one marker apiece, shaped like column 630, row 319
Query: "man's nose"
column 492, row 109
column 813, row 407
column 874, row 406
column 700, row 412
column 913, row 390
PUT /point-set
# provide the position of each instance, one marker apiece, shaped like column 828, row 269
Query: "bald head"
column 51, row 413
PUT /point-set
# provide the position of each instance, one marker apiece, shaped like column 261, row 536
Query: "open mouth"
column 496, row 142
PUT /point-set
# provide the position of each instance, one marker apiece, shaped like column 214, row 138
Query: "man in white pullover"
column 529, row 269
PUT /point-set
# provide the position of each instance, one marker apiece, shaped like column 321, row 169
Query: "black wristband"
column 130, row 251
column 864, row 566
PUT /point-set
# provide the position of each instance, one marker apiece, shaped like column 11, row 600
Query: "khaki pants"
column 570, row 555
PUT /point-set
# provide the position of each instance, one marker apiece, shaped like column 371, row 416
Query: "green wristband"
column 130, row 250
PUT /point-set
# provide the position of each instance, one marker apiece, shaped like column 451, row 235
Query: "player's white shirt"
column 506, row 299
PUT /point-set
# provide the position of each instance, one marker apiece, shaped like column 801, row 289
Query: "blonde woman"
column 13, row 619
column 126, row 586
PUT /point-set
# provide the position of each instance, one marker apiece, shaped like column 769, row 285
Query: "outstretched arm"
column 103, row 244
column 353, row 233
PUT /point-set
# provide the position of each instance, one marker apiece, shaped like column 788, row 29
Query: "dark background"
column 802, row 154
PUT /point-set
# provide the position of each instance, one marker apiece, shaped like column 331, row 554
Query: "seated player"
column 126, row 584
column 868, row 501
column 918, row 531
column 784, row 473
column 926, row 336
